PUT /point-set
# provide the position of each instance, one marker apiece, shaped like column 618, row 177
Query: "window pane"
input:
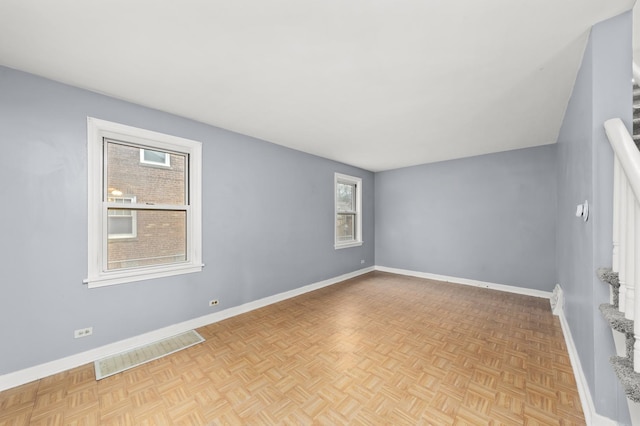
column 345, row 231
column 160, row 239
column 120, row 224
column 345, row 197
column 155, row 156
column 154, row 185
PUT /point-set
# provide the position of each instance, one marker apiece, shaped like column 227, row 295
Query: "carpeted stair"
column 623, row 366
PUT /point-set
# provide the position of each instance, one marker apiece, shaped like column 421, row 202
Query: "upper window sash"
column 119, row 150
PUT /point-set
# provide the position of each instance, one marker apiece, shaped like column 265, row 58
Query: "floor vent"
column 117, row 363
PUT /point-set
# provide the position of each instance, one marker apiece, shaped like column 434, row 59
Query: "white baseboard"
column 589, row 409
column 30, row 374
column 466, row 281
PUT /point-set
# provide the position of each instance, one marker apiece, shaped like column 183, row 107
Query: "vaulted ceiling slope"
column 378, row 84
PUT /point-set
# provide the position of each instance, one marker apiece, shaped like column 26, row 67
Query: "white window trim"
column 98, row 276
column 352, row 180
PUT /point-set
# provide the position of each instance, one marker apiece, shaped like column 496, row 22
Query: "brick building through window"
column 145, row 237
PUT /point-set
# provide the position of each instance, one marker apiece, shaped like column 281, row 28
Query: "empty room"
column 338, row 212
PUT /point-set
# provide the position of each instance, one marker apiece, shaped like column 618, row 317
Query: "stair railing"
column 626, row 224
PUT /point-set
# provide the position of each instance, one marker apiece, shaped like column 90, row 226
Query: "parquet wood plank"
column 18, row 398
column 50, row 418
column 87, row 418
column 16, row 415
column 377, row 349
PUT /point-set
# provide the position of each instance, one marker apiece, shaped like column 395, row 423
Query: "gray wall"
column 267, row 224
column 488, row 218
column 585, row 168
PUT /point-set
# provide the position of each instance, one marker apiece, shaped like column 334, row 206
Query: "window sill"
column 140, row 275
column 347, row 245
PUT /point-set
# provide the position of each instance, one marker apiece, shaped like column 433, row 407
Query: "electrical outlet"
column 362, row 262
column 213, row 302
column 82, row 332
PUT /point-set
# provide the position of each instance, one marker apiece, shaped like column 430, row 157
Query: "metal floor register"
column 114, row 364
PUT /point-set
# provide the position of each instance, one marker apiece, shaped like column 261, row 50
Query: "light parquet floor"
column 377, row 349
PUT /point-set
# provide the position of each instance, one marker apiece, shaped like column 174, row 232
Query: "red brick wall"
column 160, row 235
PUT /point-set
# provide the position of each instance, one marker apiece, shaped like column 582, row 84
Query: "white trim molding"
column 37, row 372
column 466, row 281
column 588, row 407
column 557, row 300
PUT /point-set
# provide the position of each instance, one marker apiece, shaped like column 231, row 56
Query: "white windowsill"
column 141, row 274
column 347, row 245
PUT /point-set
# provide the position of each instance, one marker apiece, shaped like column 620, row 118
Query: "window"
column 144, row 222
column 348, row 205
column 155, row 158
column 121, row 223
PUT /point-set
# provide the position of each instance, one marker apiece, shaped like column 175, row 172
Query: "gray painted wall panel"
column 602, row 91
column 488, row 218
column 267, row 224
column 575, row 237
column 612, row 95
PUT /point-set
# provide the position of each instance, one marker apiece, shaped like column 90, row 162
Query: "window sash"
column 142, row 147
column 352, row 200
column 146, row 254
column 114, row 202
column 352, row 235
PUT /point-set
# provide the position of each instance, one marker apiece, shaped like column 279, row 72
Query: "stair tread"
column 607, row 275
column 630, row 379
column 616, row 319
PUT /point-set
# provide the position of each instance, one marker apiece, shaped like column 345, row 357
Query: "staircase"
column 624, row 275
column 622, row 365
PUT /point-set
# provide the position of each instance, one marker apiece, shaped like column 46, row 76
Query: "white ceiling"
column 378, row 84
